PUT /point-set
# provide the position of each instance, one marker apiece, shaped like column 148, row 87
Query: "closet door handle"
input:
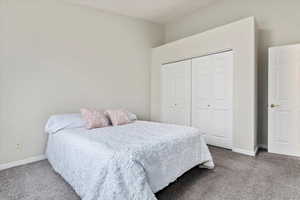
column 208, row 105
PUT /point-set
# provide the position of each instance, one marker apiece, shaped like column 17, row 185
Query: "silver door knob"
column 208, row 105
column 274, row 105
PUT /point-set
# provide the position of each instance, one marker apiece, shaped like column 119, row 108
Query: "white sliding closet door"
column 176, row 92
column 212, row 96
column 284, row 100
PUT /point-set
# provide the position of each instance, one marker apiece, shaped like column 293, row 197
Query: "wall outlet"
column 18, row 146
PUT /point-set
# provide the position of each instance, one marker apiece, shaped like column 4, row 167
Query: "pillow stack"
column 99, row 119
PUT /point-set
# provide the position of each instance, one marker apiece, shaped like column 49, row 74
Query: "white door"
column 212, row 95
column 176, row 93
column 283, row 110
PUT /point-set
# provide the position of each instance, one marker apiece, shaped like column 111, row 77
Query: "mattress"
column 131, row 161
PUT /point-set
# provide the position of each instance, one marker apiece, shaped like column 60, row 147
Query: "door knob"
column 208, row 105
column 274, row 105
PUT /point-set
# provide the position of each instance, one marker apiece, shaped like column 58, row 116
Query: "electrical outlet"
column 18, row 146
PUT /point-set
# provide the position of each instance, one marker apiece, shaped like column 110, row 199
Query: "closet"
column 198, row 92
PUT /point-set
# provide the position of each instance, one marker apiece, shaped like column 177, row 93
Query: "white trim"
column 203, row 55
column 246, row 152
column 22, row 162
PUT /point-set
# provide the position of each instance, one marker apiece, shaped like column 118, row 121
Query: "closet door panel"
column 221, row 130
column 168, row 92
column 176, row 92
column 212, row 88
column 222, row 92
column 219, row 123
column 201, row 94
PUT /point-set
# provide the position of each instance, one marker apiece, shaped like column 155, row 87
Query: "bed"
column 128, row 162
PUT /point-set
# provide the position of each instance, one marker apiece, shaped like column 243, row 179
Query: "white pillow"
column 65, row 121
column 132, row 116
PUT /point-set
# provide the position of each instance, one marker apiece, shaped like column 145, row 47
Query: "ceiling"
column 159, row 11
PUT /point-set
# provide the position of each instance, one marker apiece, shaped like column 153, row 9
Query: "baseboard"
column 245, row 152
column 22, row 162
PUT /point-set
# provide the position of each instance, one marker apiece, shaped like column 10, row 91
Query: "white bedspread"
column 129, row 162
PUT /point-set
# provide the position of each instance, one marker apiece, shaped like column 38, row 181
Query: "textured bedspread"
column 129, row 162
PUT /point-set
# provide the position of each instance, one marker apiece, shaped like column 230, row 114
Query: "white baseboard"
column 22, row 162
column 245, row 152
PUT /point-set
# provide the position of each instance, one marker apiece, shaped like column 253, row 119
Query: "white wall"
column 57, row 58
column 277, row 24
column 238, row 36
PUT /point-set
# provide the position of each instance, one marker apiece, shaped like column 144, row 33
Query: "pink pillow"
column 94, row 118
column 118, row 117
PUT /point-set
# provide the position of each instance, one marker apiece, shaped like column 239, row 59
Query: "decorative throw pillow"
column 132, row 116
column 118, row 117
column 94, row 118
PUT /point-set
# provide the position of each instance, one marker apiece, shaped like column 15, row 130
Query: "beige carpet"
column 236, row 177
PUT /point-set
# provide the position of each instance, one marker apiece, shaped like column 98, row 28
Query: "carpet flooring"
column 236, row 177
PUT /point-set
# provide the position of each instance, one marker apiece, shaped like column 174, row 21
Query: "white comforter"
column 129, row 162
